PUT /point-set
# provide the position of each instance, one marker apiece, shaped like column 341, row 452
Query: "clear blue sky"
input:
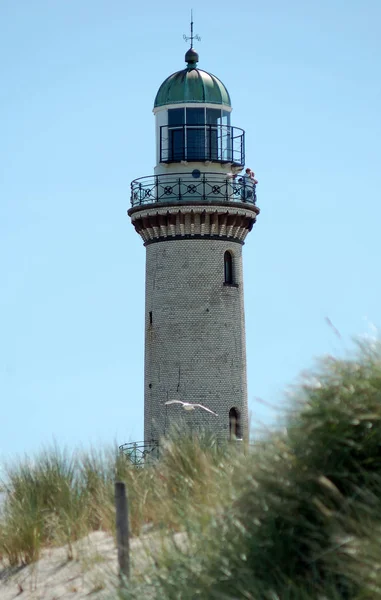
column 78, row 80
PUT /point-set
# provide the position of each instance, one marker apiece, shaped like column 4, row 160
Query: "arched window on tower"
column 235, row 431
column 228, row 267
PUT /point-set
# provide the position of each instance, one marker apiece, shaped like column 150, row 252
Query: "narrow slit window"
column 235, row 430
column 150, row 317
column 228, row 267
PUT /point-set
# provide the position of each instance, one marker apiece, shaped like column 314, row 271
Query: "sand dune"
column 92, row 572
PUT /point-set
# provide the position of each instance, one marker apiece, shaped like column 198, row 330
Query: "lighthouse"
column 193, row 215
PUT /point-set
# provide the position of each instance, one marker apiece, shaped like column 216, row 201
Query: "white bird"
column 189, row 406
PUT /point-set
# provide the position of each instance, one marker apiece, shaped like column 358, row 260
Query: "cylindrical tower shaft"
column 194, row 336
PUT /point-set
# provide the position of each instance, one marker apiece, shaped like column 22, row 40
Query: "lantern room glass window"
column 176, row 116
column 197, row 134
column 176, row 120
column 213, row 140
column 195, row 140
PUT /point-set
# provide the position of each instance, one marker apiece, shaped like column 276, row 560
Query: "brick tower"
column 193, row 216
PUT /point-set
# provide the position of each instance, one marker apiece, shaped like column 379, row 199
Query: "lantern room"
column 192, row 111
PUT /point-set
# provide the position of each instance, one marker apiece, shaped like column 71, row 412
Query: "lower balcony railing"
column 192, row 187
column 139, row 453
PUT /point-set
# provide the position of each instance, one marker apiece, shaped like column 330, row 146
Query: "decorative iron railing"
column 138, row 452
column 216, row 143
column 192, row 187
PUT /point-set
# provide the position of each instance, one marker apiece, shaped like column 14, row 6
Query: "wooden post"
column 122, row 532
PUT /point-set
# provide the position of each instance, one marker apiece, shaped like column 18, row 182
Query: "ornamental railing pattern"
column 203, row 142
column 192, row 187
column 138, row 452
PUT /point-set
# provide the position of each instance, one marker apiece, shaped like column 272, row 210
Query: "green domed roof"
column 192, row 85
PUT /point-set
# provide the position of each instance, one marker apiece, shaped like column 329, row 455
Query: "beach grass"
column 297, row 516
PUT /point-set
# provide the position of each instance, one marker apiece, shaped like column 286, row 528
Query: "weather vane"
column 191, row 37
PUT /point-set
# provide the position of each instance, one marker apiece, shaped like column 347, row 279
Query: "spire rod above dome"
column 191, row 56
column 192, row 84
column 191, row 37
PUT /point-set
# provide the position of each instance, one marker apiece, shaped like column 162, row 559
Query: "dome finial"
column 191, row 57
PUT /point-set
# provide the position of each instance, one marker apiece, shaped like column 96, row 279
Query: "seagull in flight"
column 189, row 406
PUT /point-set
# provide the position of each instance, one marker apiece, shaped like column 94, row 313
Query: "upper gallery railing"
column 216, row 143
column 192, row 187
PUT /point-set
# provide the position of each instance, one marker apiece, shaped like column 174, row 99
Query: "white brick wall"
column 195, row 346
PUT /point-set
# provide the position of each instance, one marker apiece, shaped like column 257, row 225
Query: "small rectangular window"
column 150, row 317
